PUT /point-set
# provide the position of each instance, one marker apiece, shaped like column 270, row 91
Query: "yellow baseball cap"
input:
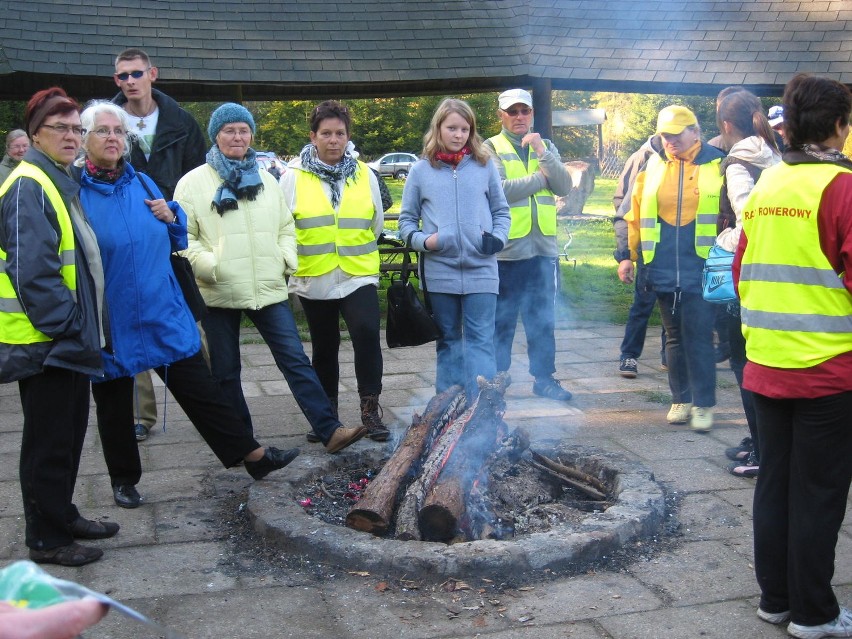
column 674, row 119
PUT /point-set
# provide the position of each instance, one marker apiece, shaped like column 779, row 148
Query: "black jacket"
column 178, row 147
column 29, row 233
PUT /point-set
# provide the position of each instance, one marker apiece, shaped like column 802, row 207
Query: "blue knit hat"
column 227, row 114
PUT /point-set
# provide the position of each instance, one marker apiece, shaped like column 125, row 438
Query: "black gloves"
column 490, row 244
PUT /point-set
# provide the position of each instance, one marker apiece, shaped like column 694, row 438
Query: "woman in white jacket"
column 748, row 134
column 241, row 245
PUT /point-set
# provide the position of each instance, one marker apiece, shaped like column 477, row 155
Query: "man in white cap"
column 672, row 225
column 776, row 121
column 532, row 174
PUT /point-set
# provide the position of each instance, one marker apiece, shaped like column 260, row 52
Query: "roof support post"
column 542, row 92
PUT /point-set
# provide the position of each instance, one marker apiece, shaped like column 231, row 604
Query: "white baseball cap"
column 776, row 115
column 514, row 96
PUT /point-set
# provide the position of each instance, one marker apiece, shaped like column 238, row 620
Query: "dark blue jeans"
column 637, row 323
column 689, row 348
column 800, row 502
column 527, row 287
column 278, row 329
column 466, row 346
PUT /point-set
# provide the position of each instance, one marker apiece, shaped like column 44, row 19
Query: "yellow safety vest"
column 709, row 186
column 796, row 313
column 521, row 210
column 327, row 240
column 15, row 326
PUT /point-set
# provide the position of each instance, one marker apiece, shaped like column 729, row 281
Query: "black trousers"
column 360, row 311
column 800, row 502
column 200, row 397
column 55, row 405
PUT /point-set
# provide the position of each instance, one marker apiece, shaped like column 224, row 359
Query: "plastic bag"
column 25, row 585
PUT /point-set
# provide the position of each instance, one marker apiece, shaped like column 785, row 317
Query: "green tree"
column 641, row 120
column 11, row 117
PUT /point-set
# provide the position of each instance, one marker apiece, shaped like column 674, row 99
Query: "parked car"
column 394, row 164
column 266, row 158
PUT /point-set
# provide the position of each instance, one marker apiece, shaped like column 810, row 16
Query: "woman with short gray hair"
column 149, row 324
column 17, row 144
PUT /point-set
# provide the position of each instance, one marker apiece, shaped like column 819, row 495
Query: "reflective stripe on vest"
column 326, row 240
column 796, row 313
column 521, row 210
column 709, row 187
column 15, row 326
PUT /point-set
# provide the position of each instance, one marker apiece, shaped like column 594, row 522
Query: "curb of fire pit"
column 638, row 512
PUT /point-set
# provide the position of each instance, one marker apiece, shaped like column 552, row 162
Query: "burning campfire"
column 459, row 474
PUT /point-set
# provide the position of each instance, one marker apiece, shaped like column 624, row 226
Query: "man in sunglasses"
column 533, row 174
column 168, row 144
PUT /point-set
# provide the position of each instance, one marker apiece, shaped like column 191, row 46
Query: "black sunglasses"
column 134, row 74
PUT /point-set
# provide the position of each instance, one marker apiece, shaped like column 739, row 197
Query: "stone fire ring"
column 638, row 513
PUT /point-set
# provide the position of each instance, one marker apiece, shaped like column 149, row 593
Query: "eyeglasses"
column 514, row 112
column 133, row 74
column 105, row 132
column 63, row 129
column 19, row 147
column 232, row 133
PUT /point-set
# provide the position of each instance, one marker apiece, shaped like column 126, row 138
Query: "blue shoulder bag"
column 717, row 281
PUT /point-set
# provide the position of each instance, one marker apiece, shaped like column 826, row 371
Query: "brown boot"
column 311, row 436
column 371, row 417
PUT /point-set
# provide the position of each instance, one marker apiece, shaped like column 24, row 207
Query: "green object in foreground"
column 25, row 585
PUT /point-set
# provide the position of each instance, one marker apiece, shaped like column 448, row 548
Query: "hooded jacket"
column 29, row 232
column 149, row 320
column 458, row 204
column 178, row 146
column 755, row 152
column 239, row 258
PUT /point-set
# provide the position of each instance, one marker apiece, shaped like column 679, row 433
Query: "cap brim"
column 510, row 103
column 775, row 122
column 671, row 129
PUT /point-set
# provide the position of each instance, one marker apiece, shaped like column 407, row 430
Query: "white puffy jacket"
column 240, row 258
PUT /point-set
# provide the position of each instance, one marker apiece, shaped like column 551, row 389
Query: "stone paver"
column 176, row 561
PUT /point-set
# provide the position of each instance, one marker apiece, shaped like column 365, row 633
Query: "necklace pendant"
column 141, row 124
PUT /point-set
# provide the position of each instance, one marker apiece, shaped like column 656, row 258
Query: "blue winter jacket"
column 150, row 323
column 459, row 204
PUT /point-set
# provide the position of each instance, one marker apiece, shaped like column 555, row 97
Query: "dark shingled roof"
column 264, row 49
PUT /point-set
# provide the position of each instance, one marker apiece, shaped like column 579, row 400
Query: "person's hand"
column 64, row 620
column 534, row 139
column 431, row 242
column 626, row 271
column 160, row 209
column 490, row 244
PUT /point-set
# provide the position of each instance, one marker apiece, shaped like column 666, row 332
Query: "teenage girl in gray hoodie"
column 454, row 212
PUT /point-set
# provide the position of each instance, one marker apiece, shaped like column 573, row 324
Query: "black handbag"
column 183, row 272
column 409, row 323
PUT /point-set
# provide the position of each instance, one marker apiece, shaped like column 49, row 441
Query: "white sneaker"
column 701, row 419
column 840, row 627
column 774, row 617
column 678, row 413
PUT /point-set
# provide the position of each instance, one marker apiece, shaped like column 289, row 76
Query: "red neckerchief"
column 452, row 158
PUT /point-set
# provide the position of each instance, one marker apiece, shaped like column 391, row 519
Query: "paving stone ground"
column 185, row 557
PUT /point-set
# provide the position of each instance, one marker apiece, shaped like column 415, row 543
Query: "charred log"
column 406, row 519
column 458, row 465
column 374, row 510
column 585, row 483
